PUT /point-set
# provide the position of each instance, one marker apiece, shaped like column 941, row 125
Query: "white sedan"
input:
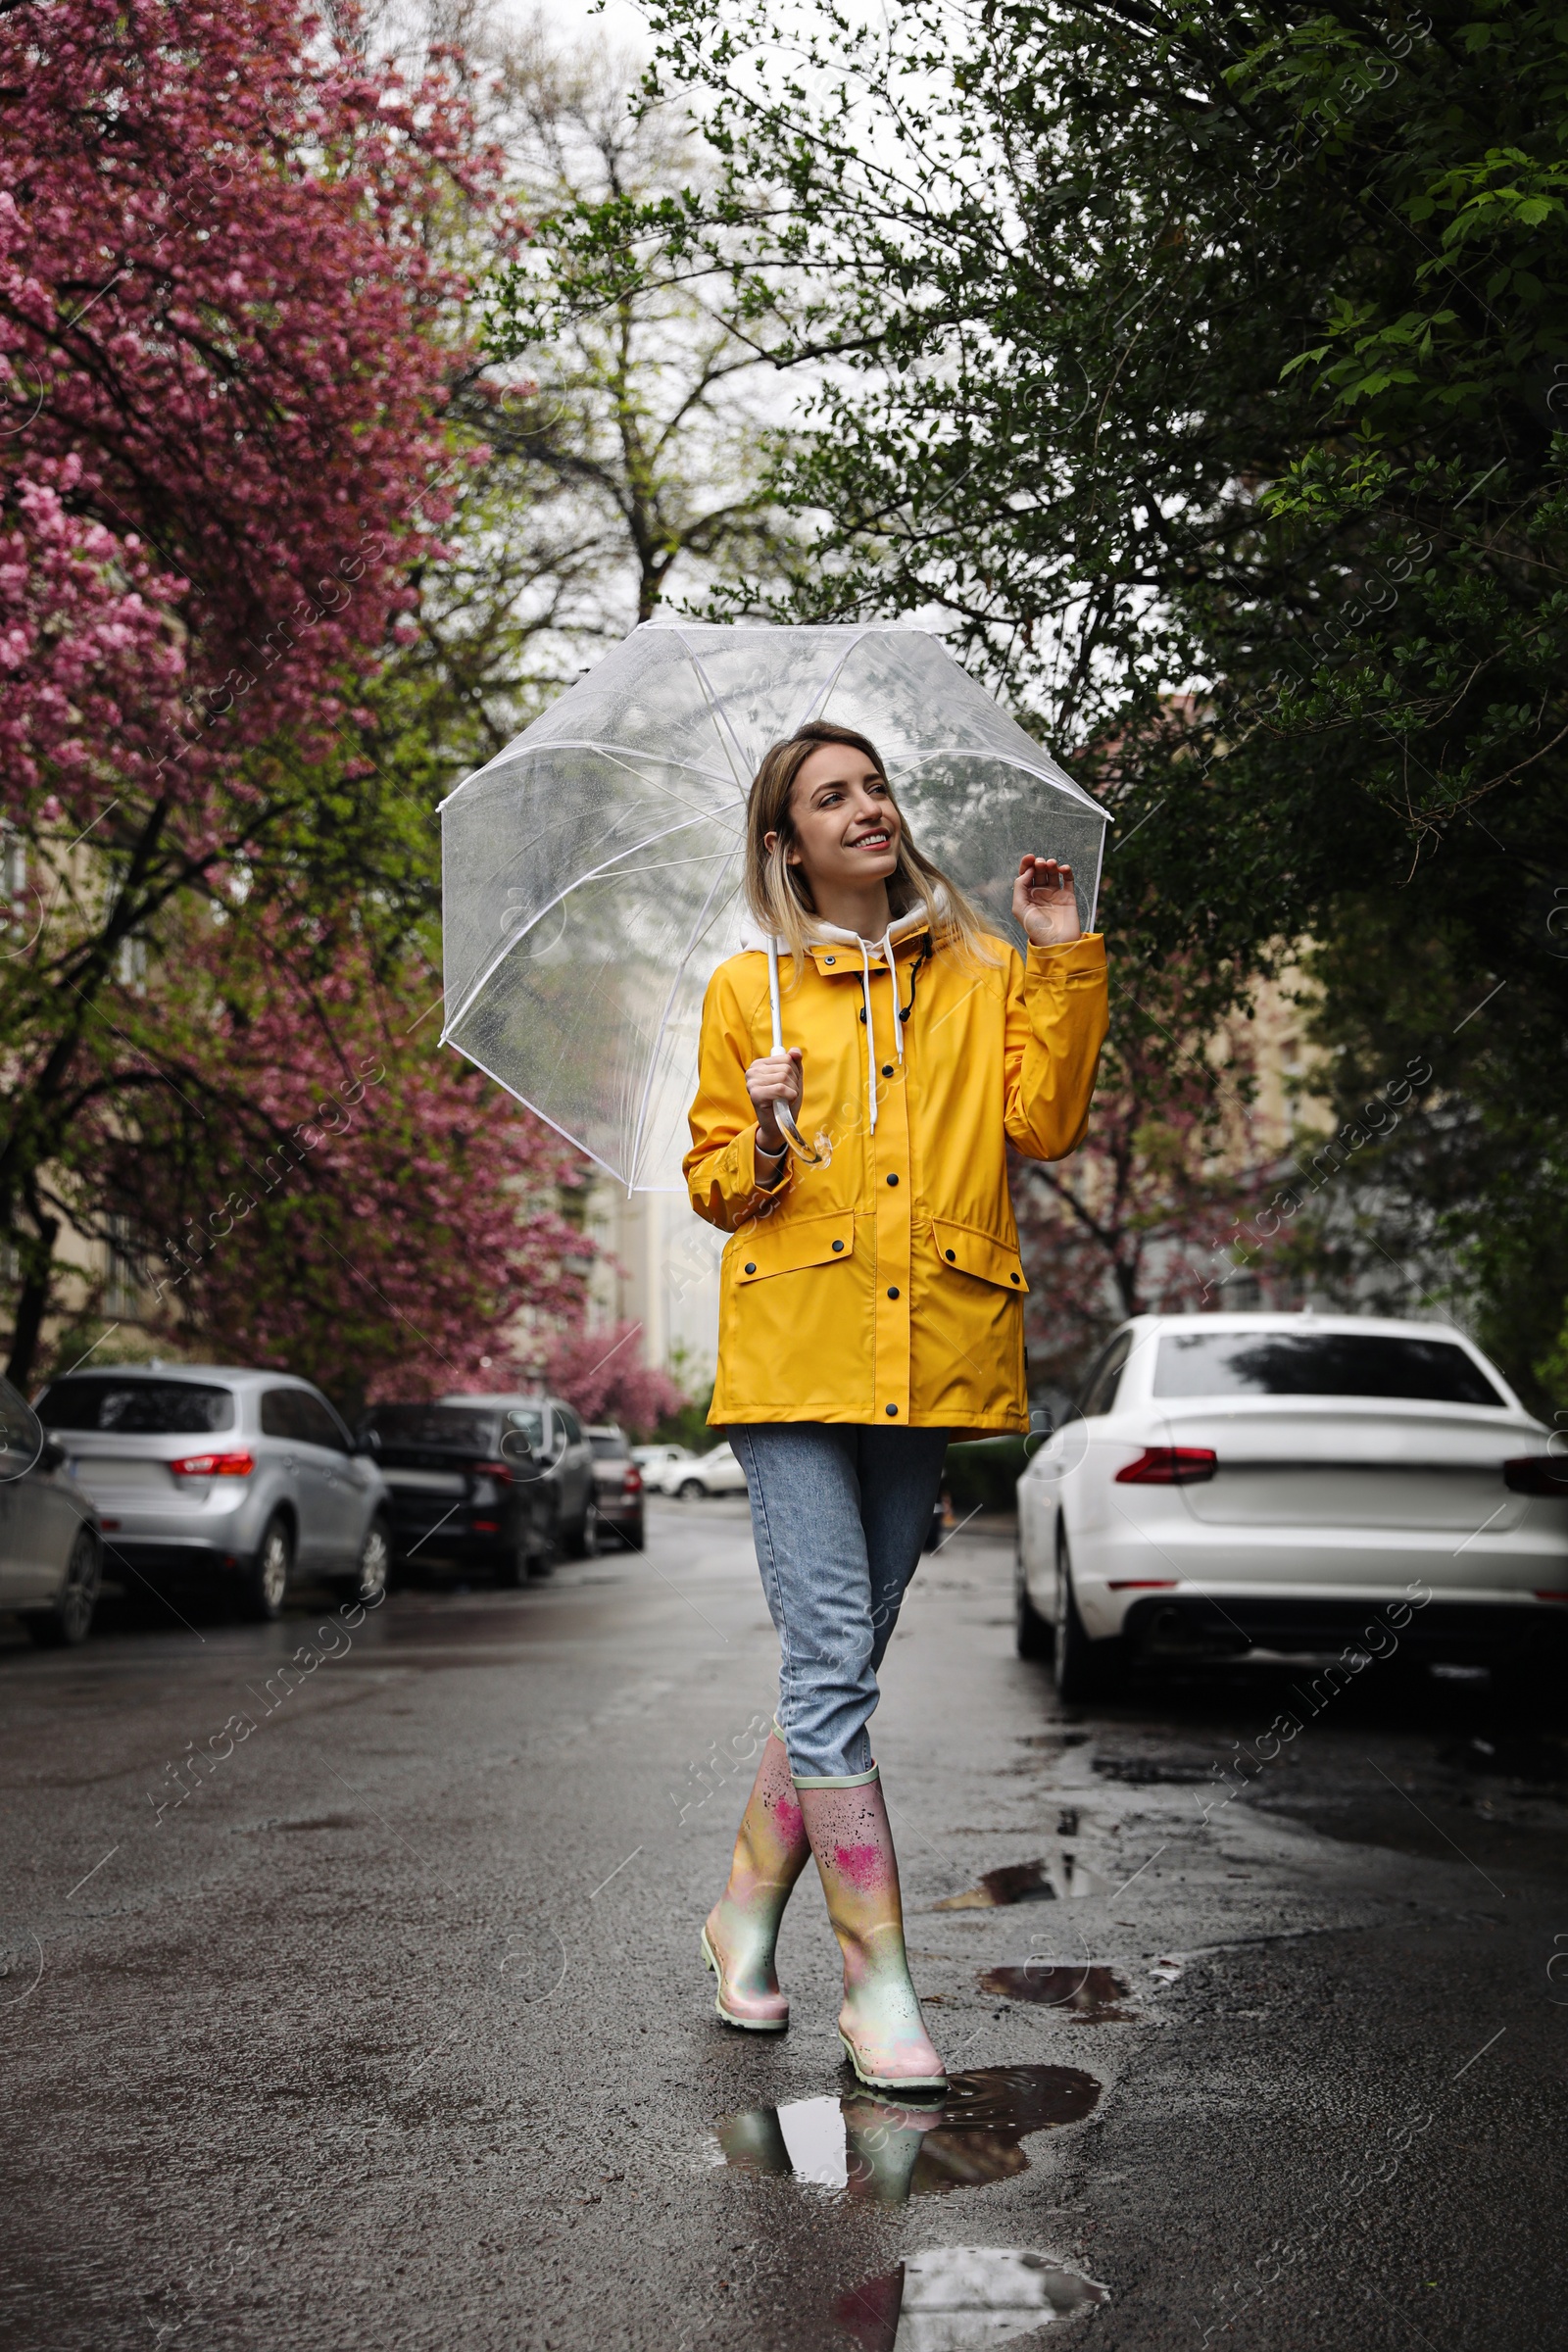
column 714, row 1473
column 1291, row 1484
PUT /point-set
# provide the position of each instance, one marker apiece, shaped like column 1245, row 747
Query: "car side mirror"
column 54, row 1455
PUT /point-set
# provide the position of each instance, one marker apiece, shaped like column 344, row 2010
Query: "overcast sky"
column 617, row 21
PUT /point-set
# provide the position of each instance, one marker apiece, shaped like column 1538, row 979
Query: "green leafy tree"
column 1205, row 372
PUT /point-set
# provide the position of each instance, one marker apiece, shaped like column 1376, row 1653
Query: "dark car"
column 621, row 1489
column 564, row 1464
column 51, row 1550
column 468, row 1489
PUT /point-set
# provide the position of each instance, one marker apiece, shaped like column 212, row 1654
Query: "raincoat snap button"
column 894, row 1291
column 1012, row 1278
column 893, row 1180
column 893, row 1408
column 840, row 1245
column 887, row 1070
column 830, row 960
column 751, row 1265
column 951, row 1257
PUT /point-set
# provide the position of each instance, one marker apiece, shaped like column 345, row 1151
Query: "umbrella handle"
column 781, row 1111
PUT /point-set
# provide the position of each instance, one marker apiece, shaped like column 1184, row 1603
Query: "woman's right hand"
column 775, row 1078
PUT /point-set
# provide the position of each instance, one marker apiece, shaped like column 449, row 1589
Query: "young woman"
column 871, row 1303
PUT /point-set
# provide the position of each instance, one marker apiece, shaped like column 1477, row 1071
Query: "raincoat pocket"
column 969, row 1292
column 789, row 1245
column 794, row 1308
column 980, row 1254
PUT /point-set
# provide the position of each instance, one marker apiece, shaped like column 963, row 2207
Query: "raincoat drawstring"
column 913, row 920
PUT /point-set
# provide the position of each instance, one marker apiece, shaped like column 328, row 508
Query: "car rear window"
column 1320, row 1363
column 609, row 1449
column 439, row 1425
column 137, row 1409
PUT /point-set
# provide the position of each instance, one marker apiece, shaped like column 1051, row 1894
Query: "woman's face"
column 846, row 827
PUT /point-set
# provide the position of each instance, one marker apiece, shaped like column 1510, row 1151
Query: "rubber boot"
column 742, row 1927
column 880, row 2023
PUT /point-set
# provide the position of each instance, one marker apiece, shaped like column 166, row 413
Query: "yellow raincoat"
column 886, row 1287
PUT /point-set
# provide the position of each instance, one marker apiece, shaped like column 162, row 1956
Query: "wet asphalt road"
column 392, row 2031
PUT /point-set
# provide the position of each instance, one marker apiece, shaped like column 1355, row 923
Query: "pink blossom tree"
column 603, row 1375
column 353, row 1205
column 226, row 338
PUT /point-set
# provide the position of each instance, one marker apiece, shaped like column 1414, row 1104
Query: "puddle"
column 1089, row 1995
column 961, row 2298
column 283, row 1822
column 1149, row 1772
column 1015, row 1883
column 879, row 2151
column 1038, row 1882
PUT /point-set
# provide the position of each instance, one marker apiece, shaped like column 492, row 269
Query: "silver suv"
column 224, row 1480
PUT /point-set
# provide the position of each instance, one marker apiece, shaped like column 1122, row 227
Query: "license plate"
column 427, row 1481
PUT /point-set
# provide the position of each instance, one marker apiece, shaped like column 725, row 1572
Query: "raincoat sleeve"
column 720, row 1169
column 1057, row 1016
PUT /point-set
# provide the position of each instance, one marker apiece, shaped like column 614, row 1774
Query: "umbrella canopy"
column 591, row 873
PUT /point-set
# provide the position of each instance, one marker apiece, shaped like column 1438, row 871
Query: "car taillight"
column 1537, row 1474
column 1169, row 1466
column 496, row 1470
column 214, row 1465
column 632, row 1481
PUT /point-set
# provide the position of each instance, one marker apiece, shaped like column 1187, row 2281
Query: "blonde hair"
column 778, row 893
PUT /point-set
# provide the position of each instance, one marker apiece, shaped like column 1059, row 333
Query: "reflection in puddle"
column 1037, row 1882
column 882, row 2152
column 961, row 2298
column 1091, row 1995
column 1016, row 1883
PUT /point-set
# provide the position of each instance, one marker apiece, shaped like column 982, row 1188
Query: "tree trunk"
column 33, row 1304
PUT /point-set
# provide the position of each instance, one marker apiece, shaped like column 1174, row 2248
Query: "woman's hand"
column 775, row 1078
column 1043, row 902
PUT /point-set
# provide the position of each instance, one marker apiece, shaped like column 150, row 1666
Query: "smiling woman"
column 871, row 1300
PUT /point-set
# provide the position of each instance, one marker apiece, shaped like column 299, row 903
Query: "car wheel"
column 369, row 1582
column 1084, row 1669
column 262, row 1594
column 690, row 1489
column 583, row 1540
column 68, row 1618
column 1034, row 1636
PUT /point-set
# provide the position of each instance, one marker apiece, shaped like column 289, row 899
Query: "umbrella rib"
column 523, row 750
column 663, row 1022
column 817, row 701
column 575, row 1140
column 719, row 715
column 593, row 874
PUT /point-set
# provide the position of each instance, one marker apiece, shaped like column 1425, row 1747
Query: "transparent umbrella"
column 592, row 872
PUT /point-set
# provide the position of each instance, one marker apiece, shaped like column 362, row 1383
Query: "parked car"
column 1231, row 1482
column 548, row 1429
column 714, row 1473
column 224, row 1480
column 650, row 1458
column 51, row 1547
column 468, row 1489
column 619, row 1483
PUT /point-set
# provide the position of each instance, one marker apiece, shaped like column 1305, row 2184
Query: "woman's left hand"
column 1045, row 903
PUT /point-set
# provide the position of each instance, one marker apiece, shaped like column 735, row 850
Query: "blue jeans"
column 838, row 1513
